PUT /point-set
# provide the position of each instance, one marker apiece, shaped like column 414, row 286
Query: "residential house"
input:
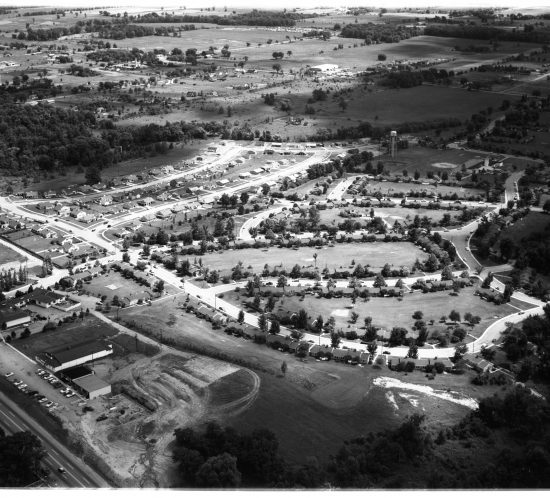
column 321, row 351
column 105, row 200
column 45, row 298
column 147, row 201
column 165, row 196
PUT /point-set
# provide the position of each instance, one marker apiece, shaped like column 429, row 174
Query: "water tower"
column 393, row 143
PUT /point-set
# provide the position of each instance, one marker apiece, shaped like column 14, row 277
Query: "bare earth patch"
column 133, row 440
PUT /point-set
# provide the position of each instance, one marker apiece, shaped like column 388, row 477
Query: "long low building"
column 13, row 318
column 73, row 356
column 92, row 386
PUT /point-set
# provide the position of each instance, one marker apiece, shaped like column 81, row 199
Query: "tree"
column 21, row 456
column 413, row 351
column 282, row 281
column 418, row 315
column 334, row 339
column 262, row 322
column 454, row 316
column 372, row 347
column 275, row 327
column 283, row 367
column 219, row 471
column 276, row 67
column 354, row 317
column 447, row 273
column 382, row 57
column 315, row 255
column 240, row 318
column 159, row 286
column 397, row 336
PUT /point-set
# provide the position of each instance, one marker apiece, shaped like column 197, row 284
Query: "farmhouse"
column 324, row 68
column 73, row 356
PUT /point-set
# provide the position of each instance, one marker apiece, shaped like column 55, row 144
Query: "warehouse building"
column 13, row 318
column 92, row 386
column 83, row 379
column 73, row 356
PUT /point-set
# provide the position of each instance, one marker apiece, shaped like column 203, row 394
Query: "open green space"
column 8, row 255
column 391, row 188
column 375, row 254
column 389, row 214
column 66, row 335
column 388, row 312
column 114, row 284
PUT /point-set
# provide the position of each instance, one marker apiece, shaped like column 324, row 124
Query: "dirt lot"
column 180, row 389
column 375, row 254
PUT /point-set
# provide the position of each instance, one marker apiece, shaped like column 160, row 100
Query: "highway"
column 77, row 474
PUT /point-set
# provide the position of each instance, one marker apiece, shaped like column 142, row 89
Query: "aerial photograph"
column 265, row 246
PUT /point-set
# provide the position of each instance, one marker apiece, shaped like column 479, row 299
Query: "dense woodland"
column 528, row 35
column 378, row 33
column 48, row 139
column 20, row 459
column 512, row 432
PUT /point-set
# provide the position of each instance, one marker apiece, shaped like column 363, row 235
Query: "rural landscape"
column 301, row 248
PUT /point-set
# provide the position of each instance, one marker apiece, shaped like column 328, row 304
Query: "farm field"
column 376, row 254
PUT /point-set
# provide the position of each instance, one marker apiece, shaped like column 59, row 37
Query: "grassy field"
column 388, row 312
column 426, row 159
column 123, row 287
column 341, row 255
column 332, row 216
column 391, row 188
column 69, row 334
column 8, row 255
column 317, row 404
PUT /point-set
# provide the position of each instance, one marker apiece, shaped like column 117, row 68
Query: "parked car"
column 17, row 382
column 9, row 374
column 43, row 400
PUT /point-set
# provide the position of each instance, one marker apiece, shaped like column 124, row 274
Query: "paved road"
column 77, row 473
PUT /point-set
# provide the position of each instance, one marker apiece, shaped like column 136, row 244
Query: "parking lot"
column 46, row 390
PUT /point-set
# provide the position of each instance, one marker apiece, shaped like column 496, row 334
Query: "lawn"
column 389, row 312
column 391, row 188
column 332, row 216
column 376, row 254
column 8, row 255
column 119, row 286
column 69, row 334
